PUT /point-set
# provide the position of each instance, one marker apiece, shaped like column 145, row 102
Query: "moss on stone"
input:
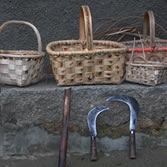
column 151, row 127
column 114, row 132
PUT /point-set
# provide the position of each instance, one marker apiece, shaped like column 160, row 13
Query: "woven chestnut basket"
column 21, row 67
column 148, row 64
column 84, row 61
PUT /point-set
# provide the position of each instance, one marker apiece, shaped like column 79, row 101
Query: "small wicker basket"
column 84, row 61
column 20, row 67
column 148, row 64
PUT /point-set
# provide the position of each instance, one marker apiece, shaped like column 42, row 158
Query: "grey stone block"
column 43, row 102
column 30, row 117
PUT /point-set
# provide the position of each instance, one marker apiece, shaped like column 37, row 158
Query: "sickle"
column 134, row 110
column 92, row 116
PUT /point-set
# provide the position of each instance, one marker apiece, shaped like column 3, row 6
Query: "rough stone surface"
column 43, row 103
column 145, row 157
column 30, row 117
column 36, row 141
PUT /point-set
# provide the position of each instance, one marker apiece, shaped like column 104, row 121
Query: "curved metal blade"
column 133, row 105
column 92, row 115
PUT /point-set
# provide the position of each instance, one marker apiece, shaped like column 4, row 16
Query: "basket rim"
column 144, row 40
column 21, row 53
column 147, row 65
column 122, row 48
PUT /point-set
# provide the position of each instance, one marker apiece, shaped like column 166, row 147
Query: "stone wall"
column 30, row 118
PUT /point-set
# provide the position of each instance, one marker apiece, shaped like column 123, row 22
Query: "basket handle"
column 30, row 25
column 86, row 27
column 149, row 22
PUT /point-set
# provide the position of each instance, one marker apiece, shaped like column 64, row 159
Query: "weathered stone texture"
column 30, row 118
column 37, row 110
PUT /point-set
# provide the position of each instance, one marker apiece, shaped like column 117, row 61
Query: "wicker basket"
column 21, row 67
column 148, row 64
column 84, row 61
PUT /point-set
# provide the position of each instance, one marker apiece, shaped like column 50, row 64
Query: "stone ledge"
column 41, row 105
column 43, row 102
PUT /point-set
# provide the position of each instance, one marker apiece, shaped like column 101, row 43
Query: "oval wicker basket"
column 148, row 62
column 21, row 67
column 84, row 61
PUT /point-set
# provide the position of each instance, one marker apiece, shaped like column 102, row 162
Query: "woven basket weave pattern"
column 88, row 69
column 87, row 61
column 147, row 67
column 21, row 67
column 146, row 75
column 20, row 71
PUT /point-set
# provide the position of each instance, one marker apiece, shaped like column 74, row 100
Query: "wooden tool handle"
column 65, row 124
column 93, row 150
column 132, row 145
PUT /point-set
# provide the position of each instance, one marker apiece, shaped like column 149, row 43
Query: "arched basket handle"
column 86, row 27
column 30, row 25
column 149, row 25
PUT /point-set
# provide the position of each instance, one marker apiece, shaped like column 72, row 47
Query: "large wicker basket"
column 84, row 61
column 20, row 67
column 148, row 64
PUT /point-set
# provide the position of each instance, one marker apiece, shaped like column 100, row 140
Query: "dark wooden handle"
column 93, row 150
column 65, row 125
column 132, row 145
